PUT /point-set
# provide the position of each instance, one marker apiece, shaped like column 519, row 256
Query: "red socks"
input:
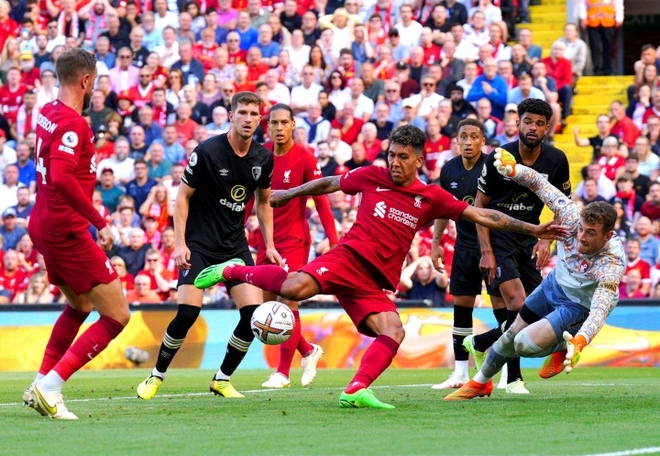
column 89, row 344
column 64, row 332
column 267, row 277
column 375, row 360
column 288, row 348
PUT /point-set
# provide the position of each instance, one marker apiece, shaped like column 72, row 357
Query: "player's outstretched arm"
column 323, row 186
column 506, row 165
column 496, row 220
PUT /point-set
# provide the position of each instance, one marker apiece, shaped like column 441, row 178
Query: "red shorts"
column 342, row 273
column 295, row 257
column 76, row 261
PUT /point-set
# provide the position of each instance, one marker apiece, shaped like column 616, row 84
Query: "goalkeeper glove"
column 574, row 346
column 505, row 163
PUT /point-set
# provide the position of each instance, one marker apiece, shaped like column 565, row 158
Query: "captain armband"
column 609, row 286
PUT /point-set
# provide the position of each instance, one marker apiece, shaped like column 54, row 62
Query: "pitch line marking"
column 635, row 451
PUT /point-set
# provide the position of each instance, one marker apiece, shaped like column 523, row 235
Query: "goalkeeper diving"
column 568, row 309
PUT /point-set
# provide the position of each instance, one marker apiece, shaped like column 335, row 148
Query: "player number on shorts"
column 41, row 169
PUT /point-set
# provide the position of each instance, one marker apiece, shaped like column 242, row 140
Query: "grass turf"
column 592, row 410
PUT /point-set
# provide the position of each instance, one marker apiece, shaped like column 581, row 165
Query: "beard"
column 530, row 144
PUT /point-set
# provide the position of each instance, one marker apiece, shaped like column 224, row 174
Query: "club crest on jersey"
column 70, row 139
column 193, row 159
column 322, row 270
column 379, row 210
column 584, row 266
column 418, row 201
column 287, row 176
column 256, row 172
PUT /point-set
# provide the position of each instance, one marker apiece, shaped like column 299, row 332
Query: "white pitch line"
column 648, row 450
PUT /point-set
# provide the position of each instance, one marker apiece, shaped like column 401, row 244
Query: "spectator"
column 311, row 31
column 317, row 127
column 168, row 51
column 164, row 18
column 137, row 144
column 146, row 121
column 421, row 281
column 27, row 175
column 327, row 164
column 465, row 49
column 456, row 11
column 117, row 37
column 606, row 187
column 600, row 20
column 623, row 126
column 649, row 243
column 348, row 124
column 653, row 128
column 23, row 207
column 561, row 70
column 632, row 202
column 622, row 226
column 609, row 159
column 191, row 68
column 158, row 275
column 159, row 206
column 174, row 151
column 306, row 93
column 11, row 233
column 121, row 164
column 140, row 187
column 651, row 207
column 220, row 122
column 37, row 292
column 200, row 113
column 491, row 86
column 510, row 133
column 501, row 51
column 548, row 86
column 98, row 111
column 641, row 182
column 142, row 93
column 142, row 293
column 152, row 37
column 596, row 142
column 185, row 126
column 12, row 277
column 134, row 254
column 485, row 116
column 476, row 31
column 408, row 86
column 184, row 31
column 174, row 182
column 576, row 50
column 590, row 194
column 339, row 150
column 110, row 193
column 505, row 70
column 9, row 189
column 103, row 54
column 381, row 120
column 524, row 91
column 372, row 145
column 358, row 156
column 534, row 51
column 328, row 110
column 519, row 60
column 163, row 110
column 648, row 161
column 124, row 75
column 642, row 281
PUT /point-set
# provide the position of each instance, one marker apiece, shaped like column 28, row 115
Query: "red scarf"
column 387, row 20
column 630, row 203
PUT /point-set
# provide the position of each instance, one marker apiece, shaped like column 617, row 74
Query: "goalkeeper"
column 568, row 309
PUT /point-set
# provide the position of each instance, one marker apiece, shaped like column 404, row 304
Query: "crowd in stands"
column 351, row 70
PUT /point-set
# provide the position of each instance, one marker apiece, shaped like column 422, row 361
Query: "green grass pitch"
column 590, row 411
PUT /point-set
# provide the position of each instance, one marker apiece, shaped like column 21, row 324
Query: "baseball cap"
column 125, row 95
column 409, row 103
column 9, row 212
column 401, row 65
column 511, row 107
column 107, row 170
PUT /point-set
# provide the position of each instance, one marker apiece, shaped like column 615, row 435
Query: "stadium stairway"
column 548, row 20
column 594, row 96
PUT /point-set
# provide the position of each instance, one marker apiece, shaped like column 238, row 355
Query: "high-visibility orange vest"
column 600, row 12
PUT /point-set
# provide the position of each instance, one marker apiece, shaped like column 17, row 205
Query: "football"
column 272, row 323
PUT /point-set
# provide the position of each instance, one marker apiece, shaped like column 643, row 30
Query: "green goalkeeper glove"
column 505, row 163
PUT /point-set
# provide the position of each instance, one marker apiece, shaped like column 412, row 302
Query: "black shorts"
column 200, row 260
column 514, row 262
column 466, row 278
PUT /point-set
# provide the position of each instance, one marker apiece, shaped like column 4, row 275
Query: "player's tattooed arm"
column 498, row 221
column 316, row 187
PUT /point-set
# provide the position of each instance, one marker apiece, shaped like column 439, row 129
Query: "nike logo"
column 380, row 189
column 640, row 344
column 49, row 409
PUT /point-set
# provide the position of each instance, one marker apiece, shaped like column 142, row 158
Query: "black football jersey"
column 517, row 200
column 463, row 185
column 223, row 183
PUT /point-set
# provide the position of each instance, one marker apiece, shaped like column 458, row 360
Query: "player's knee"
column 186, row 315
column 123, row 316
column 525, row 346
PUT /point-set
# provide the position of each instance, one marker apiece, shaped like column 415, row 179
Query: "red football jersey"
column 291, row 170
column 11, row 101
column 14, row 282
column 644, row 270
column 390, row 215
column 64, row 152
column 432, row 151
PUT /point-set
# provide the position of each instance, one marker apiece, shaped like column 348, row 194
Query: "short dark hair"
column 474, row 123
column 260, row 84
column 409, row 135
column 283, row 107
column 535, row 106
column 74, row 63
column 139, row 161
column 600, row 212
column 646, row 47
column 245, row 98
